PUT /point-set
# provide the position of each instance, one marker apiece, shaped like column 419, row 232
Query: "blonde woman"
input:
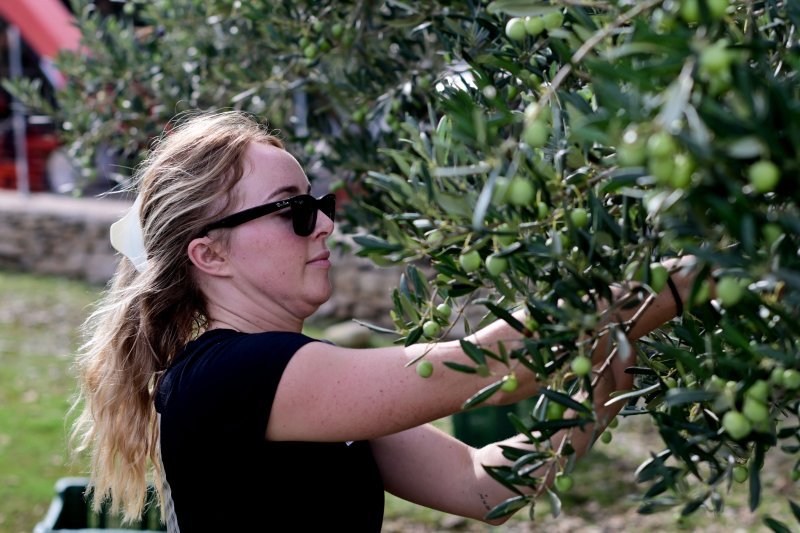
column 196, row 358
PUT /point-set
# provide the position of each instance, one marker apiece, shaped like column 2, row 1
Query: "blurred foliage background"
column 519, row 154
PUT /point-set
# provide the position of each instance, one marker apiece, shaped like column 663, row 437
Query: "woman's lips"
column 321, row 260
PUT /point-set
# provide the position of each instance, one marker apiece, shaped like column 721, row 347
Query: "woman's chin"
column 320, row 298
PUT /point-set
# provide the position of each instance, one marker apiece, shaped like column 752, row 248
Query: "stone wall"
column 63, row 236
column 58, row 235
column 360, row 289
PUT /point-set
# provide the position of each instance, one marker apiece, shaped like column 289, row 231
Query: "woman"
column 260, row 426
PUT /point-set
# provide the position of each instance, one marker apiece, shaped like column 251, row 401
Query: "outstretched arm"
column 330, row 393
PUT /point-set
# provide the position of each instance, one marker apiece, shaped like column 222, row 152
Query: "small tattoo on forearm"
column 484, row 501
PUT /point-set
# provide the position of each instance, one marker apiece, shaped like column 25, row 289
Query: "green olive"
column 501, row 190
column 729, row 291
column 555, row 411
column 771, row 232
column 511, row 92
column 579, row 217
column 507, row 236
column 431, row 329
column 521, row 192
column 682, row 174
column 310, row 51
column 776, row 376
column 496, row 265
column 717, row 8
column 435, row 237
column 690, row 11
column 658, row 276
column 531, row 324
column 534, row 25
column 553, row 20
column 536, row 134
column 759, row 391
column 716, row 384
column 715, row 59
column 515, row 29
column 470, row 261
column 581, row 365
column 563, row 482
column 736, row 425
column 632, row 151
column 542, row 211
column 634, row 271
column 763, row 176
column 755, row 411
column 791, row 379
column 535, row 112
column 424, row 369
column 510, row 383
column 661, row 145
column 444, row 310
column 662, row 169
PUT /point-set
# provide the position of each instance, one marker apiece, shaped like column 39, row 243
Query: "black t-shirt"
column 224, row 475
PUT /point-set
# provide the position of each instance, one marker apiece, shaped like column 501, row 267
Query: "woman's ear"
column 208, row 256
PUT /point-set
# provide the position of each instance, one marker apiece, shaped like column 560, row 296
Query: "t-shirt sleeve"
column 232, row 387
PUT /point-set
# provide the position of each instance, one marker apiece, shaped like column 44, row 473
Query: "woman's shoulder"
column 228, row 360
column 226, row 349
column 228, row 339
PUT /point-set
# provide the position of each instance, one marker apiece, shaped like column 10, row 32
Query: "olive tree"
column 528, row 155
column 582, row 143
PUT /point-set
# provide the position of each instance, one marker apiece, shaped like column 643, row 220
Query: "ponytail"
column 145, row 318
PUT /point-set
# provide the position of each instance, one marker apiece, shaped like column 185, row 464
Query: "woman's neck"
column 222, row 317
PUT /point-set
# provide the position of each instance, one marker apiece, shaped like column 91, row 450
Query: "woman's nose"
column 324, row 224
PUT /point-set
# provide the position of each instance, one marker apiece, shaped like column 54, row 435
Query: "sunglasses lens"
column 327, row 204
column 304, row 212
column 304, row 216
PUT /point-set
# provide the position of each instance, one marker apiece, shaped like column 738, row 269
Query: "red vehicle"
column 31, row 34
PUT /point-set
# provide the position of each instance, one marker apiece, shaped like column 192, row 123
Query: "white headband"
column 127, row 237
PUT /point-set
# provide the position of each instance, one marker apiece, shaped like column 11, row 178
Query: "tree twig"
column 588, row 46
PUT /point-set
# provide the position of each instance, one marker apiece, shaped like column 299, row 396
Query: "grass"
column 39, row 319
column 38, row 333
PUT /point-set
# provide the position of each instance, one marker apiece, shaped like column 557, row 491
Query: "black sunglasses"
column 303, row 208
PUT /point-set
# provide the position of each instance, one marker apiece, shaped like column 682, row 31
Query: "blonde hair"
column 144, row 319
